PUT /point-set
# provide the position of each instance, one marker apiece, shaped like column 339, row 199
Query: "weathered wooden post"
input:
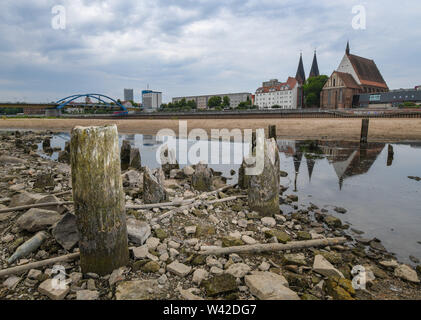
column 263, row 192
column 99, row 199
column 390, row 155
column 272, row 132
column 125, row 154
column 364, row 130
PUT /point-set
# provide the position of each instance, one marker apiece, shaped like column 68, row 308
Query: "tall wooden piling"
column 390, row 155
column 364, row 130
column 272, row 132
column 99, row 199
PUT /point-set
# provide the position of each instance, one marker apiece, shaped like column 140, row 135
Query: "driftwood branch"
column 136, row 207
column 257, row 248
column 38, row 264
column 36, row 205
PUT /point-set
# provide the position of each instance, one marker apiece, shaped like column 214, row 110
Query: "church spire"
column 347, row 48
column 314, row 72
column 301, row 76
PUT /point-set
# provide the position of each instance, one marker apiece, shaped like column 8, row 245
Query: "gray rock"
column 152, row 243
column 179, row 269
column 24, row 199
column 11, row 160
column 238, row 270
column 140, row 252
column 407, row 273
column 268, row 222
column 116, row 276
column 139, row 290
column 188, row 294
column 65, row 231
column 188, row 171
column 138, row 231
column 199, row 275
column 132, row 179
column 87, row 295
column 269, row 286
column 50, row 199
column 325, row 268
column 34, row 274
column 11, row 282
column 298, row 259
column 51, row 290
column 37, row 219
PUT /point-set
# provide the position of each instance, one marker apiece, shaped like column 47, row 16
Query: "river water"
column 375, row 189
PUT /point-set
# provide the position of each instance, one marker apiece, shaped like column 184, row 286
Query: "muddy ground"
column 382, row 130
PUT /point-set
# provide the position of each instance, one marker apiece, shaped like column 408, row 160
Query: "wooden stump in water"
column 125, row 154
column 99, row 199
column 272, row 132
column 364, row 130
column 390, row 155
column 263, row 192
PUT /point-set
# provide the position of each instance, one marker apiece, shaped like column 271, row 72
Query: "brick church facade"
column 355, row 75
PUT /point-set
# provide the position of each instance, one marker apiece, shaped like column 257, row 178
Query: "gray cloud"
column 187, row 47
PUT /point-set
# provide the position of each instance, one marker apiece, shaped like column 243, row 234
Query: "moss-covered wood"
column 263, row 192
column 99, row 199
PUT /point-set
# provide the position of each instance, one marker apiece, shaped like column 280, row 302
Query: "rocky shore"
column 166, row 242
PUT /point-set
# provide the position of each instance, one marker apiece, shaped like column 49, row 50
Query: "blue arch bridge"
column 101, row 101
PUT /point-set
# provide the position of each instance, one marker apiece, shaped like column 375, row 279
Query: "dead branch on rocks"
column 135, row 207
column 38, row 264
column 36, row 205
column 257, row 248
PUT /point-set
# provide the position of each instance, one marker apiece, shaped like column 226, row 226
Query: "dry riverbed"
column 385, row 130
column 164, row 259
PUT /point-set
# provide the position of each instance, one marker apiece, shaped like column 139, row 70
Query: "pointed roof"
column 314, row 72
column 310, row 166
column 347, row 51
column 367, row 71
column 301, row 75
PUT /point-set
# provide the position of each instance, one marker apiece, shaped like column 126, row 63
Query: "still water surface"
column 375, row 189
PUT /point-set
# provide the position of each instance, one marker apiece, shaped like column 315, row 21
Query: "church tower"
column 301, row 75
column 314, row 72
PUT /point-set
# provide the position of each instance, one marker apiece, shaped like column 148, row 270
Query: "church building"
column 355, row 75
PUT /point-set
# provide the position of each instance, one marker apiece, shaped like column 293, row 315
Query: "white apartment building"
column 275, row 93
column 151, row 100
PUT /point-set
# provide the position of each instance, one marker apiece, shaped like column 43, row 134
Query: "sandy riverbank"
column 332, row 129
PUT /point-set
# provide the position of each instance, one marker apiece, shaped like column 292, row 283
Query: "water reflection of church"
column 347, row 158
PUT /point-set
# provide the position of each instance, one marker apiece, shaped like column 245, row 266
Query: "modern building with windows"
column 202, row 101
column 128, row 95
column 393, row 98
column 282, row 95
column 151, row 100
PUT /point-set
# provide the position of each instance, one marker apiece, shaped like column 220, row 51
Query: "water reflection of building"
column 349, row 159
column 287, row 147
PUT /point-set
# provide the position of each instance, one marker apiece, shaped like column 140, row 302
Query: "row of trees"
column 182, row 105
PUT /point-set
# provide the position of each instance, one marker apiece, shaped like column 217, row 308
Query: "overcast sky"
column 192, row 47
